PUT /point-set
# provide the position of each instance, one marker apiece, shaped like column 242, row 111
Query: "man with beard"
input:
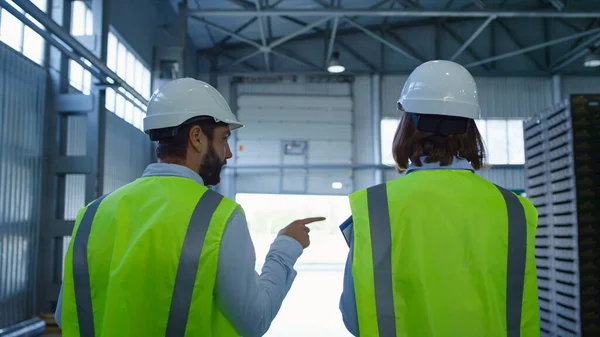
column 165, row 255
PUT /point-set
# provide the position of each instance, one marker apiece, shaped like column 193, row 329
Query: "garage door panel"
column 295, row 182
column 314, row 131
column 325, row 122
column 320, row 151
column 269, row 152
column 292, row 101
column 322, row 183
column 253, row 114
column 249, row 151
column 258, row 183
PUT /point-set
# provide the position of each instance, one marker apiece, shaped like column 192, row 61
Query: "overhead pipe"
column 397, row 13
column 32, row 10
column 32, row 327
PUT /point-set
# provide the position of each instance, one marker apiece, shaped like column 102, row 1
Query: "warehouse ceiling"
column 489, row 37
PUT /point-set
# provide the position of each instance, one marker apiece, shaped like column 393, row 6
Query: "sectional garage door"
column 298, row 144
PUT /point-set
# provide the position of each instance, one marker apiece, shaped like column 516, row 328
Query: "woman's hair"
column 411, row 144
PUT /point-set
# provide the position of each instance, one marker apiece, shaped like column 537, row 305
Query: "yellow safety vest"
column 143, row 262
column 444, row 253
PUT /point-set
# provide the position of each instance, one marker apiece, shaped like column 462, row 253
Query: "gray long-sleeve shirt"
column 249, row 301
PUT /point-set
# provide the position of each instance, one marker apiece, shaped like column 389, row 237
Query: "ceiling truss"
column 342, row 21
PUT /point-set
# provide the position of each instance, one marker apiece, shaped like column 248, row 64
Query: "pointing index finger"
column 306, row 221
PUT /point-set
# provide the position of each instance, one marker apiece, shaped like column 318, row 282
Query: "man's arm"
column 248, row 300
column 348, row 299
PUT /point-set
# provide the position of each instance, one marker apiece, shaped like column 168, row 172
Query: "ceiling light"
column 335, row 66
column 336, row 185
column 592, row 60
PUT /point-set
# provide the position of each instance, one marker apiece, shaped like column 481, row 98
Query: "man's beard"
column 210, row 170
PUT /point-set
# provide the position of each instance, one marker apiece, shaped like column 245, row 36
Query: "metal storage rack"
column 562, row 150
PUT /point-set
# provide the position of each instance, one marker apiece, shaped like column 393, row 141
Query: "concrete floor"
column 311, row 307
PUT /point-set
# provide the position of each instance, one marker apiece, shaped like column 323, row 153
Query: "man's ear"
column 197, row 138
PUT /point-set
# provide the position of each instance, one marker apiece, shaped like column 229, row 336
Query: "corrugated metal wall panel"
column 22, row 105
column 512, row 178
column 391, row 87
column 75, row 183
column 363, row 135
column 126, row 155
column 513, row 97
column 580, row 85
column 500, row 97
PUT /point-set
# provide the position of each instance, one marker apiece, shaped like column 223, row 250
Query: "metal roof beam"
column 400, row 13
column 320, row 31
column 513, row 37
column 240, row 60
column 478, row 3
column 384, row 41
column 559, row 5
column 332, row 39
column 404, row 44
column 532, row 48
column 576, row 53
column 228, row 32
column 460, row 40
column 263, row 37
column 472, row 38
column 237, row 31
column 300, row 31
column 289, row 55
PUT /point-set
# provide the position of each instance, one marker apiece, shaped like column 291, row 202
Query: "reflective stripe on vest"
column 188, row 263
column 81, row 272
column 186, row 270
column 382, row 260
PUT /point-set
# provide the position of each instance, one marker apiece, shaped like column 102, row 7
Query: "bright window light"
column 388, row 130
column 320, row 267
column 130, row 68
column 20, row 37
column 502, row 138
column 516, row 142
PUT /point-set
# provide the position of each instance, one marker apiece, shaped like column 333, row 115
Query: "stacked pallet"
column 562, row 149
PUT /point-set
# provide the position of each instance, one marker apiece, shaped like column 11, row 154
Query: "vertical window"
column 81, row 25
column 20, row 37
column 123, row 61
column 503, row 140
column 516, row 142
column 388, row 130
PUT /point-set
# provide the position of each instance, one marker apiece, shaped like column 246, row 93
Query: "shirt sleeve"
column 251, row 301
column 58, row 312
column 348, row 299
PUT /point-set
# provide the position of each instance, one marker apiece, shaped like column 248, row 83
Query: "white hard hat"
column 440, row 88
column 185, row 98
